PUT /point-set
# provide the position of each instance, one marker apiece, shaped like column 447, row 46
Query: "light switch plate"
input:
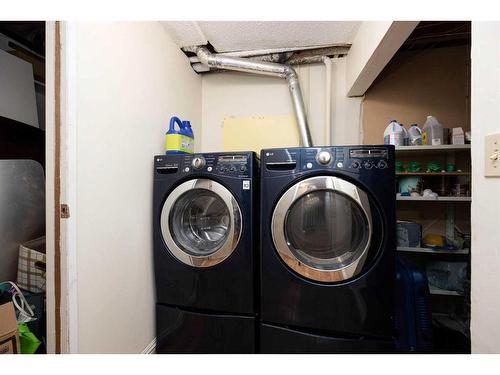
column 492, row 155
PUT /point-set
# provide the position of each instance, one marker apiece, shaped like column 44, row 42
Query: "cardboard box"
column 9, row 338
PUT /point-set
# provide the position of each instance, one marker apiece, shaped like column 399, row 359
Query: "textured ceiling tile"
column 185, row 33
column 229, row 36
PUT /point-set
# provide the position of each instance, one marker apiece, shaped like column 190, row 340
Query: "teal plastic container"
column 179, row 138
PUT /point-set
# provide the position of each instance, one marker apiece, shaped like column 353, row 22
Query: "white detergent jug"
column 406, row 136
column 432, row 133
column 415, row 135
column 394, row 134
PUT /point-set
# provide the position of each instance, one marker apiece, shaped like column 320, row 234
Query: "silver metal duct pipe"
column 265, row 68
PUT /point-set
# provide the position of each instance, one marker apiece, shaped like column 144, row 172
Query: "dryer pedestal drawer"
column 279, row 340
column 180, row 331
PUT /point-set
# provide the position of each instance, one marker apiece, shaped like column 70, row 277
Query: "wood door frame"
column 62, row 315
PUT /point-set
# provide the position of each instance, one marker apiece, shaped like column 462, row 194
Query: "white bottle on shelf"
column 406, row 136
column 394, row 134
column 432, row 132
column 415, row 135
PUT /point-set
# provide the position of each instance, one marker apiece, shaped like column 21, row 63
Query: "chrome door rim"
column 279, row 216
column 235, row 229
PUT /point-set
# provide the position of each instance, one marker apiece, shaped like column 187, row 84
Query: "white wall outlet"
column 492, row 155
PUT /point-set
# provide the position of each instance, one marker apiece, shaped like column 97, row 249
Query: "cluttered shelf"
column 433, row 181
column 432, row 148
column 433, row 198
column 442, row 174
column 428, row 250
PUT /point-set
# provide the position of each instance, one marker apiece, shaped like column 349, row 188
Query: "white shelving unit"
column 447, row 154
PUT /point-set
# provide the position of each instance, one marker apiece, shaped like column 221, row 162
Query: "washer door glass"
column 326, row 229
column 322, row 228
column 200, row 222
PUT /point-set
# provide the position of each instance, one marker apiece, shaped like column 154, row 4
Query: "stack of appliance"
column 204, row 252
column 327, row 250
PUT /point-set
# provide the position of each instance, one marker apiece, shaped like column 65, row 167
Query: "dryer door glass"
column 322, row 228
column 326, row 229
column 200, row 222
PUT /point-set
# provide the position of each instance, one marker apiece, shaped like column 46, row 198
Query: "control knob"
column 355, row 164
column 323, row 157
column 382, row 164
column 198, row 162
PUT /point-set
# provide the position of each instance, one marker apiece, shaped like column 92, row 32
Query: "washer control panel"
column 224, row 164
column 232, row 164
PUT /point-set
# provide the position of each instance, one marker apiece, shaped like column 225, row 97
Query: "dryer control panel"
column 345, row 158
column 223, row 164
column 352, row 159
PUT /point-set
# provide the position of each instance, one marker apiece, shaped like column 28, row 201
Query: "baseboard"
column 150, row 348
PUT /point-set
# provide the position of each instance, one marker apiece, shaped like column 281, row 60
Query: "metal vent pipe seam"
column 264, row 68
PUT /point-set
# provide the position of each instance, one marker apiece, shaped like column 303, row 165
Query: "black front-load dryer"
column 327, row 247
column 204, row 251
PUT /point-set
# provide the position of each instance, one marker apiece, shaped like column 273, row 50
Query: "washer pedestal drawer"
column 277, row 340
column 180, row 331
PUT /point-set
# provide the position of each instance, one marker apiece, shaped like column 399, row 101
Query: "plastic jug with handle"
column 406, row 137
column 415, row 135
column 394, row 134
column 432, row 132
column 180, row 139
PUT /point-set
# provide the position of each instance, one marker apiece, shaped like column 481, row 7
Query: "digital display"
column 232, row 159
column 368, row 153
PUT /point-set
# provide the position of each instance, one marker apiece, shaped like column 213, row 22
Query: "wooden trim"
column 374, row 45
column 57, row 187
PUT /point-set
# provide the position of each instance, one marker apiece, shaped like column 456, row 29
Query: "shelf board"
column 442, row 148
column 445, row 174
column 438, row 199
column 443, row 292
column 432, row 251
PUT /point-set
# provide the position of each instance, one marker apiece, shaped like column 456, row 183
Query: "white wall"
column 130, row 78
column 238, row 94
column 346, row 111
column 485, row 295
